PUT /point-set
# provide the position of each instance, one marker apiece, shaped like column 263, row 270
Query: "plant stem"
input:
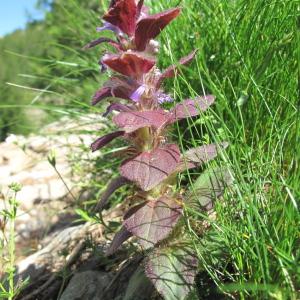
column 11, row 245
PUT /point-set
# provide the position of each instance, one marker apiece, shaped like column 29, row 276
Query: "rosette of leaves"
column 152, row 162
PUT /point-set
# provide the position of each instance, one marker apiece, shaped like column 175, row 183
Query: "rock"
column 87, row 285
column 14, row 157
column 24, row 160
column 48, row 256
column 46, row 235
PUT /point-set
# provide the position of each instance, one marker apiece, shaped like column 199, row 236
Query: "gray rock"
column 86, row 285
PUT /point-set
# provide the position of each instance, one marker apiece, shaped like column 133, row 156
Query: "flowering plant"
column 152, row 162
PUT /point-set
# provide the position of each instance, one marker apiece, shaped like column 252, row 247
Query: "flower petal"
column 138, row 93
column 101, row 142
column 123, row 15
column 148, row 169
column 149, row 27
column 162, row 98
column 129, row 64
column 133, row 120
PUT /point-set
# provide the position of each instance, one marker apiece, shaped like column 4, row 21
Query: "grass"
column 249, row 58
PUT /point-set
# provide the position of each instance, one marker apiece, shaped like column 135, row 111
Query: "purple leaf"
column 172, row 271
column 131, row 121
column 148, row 169
column 170, row 71
column 119, row 238
column 123, row 15
column 114, row 185
column 191, row 108
column 132, row 210
column 121, row 87
column 199, row 155
column 129, row 64
column 154, row 221
column 101, row 94
column 100, row 41
column 101, row 142
column 151, row 26
column 140, row 7
column 117, row 107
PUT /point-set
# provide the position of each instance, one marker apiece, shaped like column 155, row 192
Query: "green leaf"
column 209, row 186
column 172, row 271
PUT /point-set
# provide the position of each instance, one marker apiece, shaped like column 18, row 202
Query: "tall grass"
column 248, row 52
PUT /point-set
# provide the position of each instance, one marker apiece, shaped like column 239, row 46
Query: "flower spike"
column 151, row 162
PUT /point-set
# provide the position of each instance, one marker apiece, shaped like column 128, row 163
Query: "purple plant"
column 152, row 162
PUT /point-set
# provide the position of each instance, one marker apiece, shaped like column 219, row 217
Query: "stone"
column 87, row 285
column 45, row 204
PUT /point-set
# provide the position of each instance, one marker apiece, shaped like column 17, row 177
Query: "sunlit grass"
column 248, row 59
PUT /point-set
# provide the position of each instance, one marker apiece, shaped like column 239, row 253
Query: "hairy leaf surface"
column 149, row 27
column 172, row 271
column 114, row 185
column 121, row 86
column 191, row 108
column 104, row 140
column 171, row 71
column 123, row 15
column 150, row 168
column 154, row 221
column 133, row 120
column 101, row 94
column 119, row 238
column 129, row 64
column 116, row 107
column 203, row 154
